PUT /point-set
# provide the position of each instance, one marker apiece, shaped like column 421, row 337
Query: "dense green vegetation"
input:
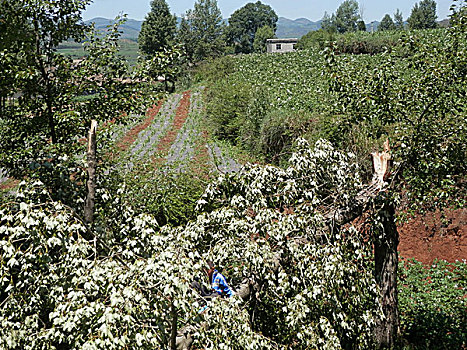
column 280, row 229
column 412, row 93
column 347, row 98
column 432, row 304
column 352, row 42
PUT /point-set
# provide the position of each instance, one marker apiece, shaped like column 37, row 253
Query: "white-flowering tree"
column 300, row 284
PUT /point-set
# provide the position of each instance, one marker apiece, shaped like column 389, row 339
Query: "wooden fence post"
column 91, row 183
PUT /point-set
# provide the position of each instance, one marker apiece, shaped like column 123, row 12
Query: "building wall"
column 284, row 47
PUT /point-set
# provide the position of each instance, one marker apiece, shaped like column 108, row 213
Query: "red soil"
column 180, row 118
column 9, row 184
column 131, row 136
column 431, row 236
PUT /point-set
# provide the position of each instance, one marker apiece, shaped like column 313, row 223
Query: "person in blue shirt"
column 218, row 281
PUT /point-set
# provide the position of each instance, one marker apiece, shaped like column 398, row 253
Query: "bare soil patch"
column 438, row 235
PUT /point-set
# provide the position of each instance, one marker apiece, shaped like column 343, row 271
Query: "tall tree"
column 347, row 16
column 158, row 28
column 423, row 15
column 386, row 23
column 327, row 23
column 39, row 132
column 245, row 22
column 398, row 20
column 185, row 36
column 262, row 34
column 207, row 28
column 31, row 33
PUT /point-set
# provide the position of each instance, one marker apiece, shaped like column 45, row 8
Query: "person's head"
column 210, row 269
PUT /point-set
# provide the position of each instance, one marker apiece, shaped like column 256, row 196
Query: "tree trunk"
column 92, row 164
column 50, row 117
column 173, row 333
column 386, row 263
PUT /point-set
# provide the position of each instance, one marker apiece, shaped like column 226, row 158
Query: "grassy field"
column 128, row 49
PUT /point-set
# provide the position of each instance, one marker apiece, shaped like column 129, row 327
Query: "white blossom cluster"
column 308, row 288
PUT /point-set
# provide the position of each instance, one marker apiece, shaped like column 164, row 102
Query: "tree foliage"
column 310, row 286
column 327, row 23
column 387, row 23
column 201, row 31
column 398, row 20
column 163, row 65
column 423, row 124
column 346, row 16
column 346, row 19
column 42, row 26
column 262, row 34
column 245, row 22
column 56, row 97
column 423, row 15
column 158, row 28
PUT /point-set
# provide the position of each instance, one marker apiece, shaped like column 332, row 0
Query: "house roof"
column 283, row 41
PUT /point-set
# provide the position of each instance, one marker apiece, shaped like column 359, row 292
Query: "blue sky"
column 311, row 9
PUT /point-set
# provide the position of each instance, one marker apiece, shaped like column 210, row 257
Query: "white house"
column 281, row 45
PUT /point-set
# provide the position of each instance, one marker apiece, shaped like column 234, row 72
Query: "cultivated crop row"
column 175, row 139
column 146, row 142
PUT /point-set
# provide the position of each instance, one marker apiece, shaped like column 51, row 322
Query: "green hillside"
column 128, row 49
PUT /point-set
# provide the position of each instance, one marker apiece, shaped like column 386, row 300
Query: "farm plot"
column 144, row 144
column 192, row 147
column 174, row 140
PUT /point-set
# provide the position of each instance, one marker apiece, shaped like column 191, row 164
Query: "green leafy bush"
column 432, row 304
column 215, row 69
column 351, row 42
column 227, row 107
column 279, row 130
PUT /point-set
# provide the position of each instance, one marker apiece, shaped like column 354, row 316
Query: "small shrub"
column 226, row 104
column 215, row 69
column 279, row 130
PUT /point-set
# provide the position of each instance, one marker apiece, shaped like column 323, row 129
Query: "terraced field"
column 172, row 138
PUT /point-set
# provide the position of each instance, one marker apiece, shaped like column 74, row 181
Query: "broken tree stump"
column 91, row 170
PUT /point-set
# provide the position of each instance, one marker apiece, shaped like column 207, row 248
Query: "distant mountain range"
column 286, row 28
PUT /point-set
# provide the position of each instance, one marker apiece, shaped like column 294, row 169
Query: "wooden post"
column 173, row 330
column 91, row 183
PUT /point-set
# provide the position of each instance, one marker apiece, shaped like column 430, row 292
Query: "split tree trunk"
column 92, row 164
column 386, row 256
column 386, row 263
